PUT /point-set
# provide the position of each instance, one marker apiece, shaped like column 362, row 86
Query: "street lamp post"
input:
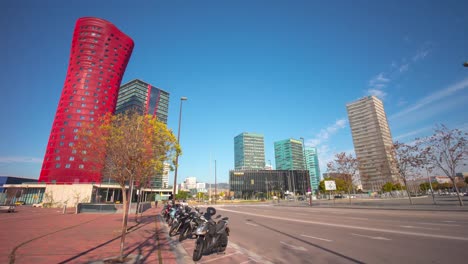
column 177, row 155
column 216, row 185
column 305, row 167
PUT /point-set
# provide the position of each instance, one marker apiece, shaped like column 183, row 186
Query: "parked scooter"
column 191, row 224
column 212, row 236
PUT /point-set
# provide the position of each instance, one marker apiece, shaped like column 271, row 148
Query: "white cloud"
column 325, row 133
column 403, row 67
column 412, row 133
column 433, row 98
column 379, row 79
column 401, row 102
column 421, row 54
column 379, row 93
column 19, row 159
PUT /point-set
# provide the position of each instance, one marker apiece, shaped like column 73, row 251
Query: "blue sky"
column 280, row 68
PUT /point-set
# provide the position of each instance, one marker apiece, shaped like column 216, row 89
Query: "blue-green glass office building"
column 249, row 151
column 312, row 165
column 289, row 155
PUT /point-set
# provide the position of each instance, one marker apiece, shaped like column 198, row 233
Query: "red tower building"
column 98, row 58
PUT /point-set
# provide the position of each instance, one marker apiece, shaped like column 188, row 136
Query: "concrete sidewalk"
column 43, row 235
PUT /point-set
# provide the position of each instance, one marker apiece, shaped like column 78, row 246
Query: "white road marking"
column 371, row 237
column 250, row 259
column 247, row 223
column 380, row 230
column 319, row 238
column 301, row 214
column 227, row 255
column 293, row 247
column 252, row 255
column 357, row 218
column 438, row 224
column 449, row 221
column 420, row 227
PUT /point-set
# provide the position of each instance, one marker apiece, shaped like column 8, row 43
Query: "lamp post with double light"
column 177, row 155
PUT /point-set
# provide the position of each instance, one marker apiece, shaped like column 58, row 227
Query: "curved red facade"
column 98, row 58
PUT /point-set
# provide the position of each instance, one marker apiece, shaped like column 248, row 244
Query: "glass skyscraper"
column 144, row 98
column 289, row 155
column 249, row 151
column 312, row 165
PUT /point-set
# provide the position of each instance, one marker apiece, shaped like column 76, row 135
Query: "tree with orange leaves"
column 128, row 148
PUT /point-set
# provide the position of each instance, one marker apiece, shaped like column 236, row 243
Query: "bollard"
column 64, row 208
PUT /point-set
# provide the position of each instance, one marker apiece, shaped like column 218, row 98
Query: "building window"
column 81, row 166
column 74, row 151
column 78, row 110
column 57, row 158
column 72, row 158
column 67, row 166
column 57, row 165
column 71, row 144
column 61, row 143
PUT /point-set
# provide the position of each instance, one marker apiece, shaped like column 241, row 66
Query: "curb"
column 181, row 255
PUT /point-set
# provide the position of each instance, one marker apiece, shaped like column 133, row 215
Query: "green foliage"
column 398, row 187
column 388, row 187
column 424, row 186
column 182, row 195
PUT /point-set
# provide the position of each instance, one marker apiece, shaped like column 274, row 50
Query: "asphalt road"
column 273, row 234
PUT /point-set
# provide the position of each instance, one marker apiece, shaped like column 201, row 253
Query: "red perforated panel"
column 98, row 58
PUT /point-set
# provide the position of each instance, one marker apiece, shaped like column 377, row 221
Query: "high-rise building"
column 312, row 165
column 372, row 142
column 289, row 155
column 98, row 58
column 144, row 98
column 247, row 184
column 249, row 151
column 161, row 180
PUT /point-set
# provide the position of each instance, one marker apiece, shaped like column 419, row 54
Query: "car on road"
column 339, row 196
column 38, row 204
column 20, row 203
column 7, row 208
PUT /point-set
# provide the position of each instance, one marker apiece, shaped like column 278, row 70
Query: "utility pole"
column 216, row 185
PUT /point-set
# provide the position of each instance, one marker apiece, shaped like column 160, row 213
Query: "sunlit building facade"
column 248, row 184
column 99, row 55
column 289, row 155
column 372, row 143
column 144, row 98
column 249, row 151
column 312, row 165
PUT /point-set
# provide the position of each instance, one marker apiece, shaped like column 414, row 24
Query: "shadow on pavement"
column 308, row 243
column 143, row 221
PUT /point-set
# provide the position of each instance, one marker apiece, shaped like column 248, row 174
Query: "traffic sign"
column 330, row 185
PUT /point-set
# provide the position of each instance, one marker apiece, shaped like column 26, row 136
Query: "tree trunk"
column 460, row 201
column 349, row 194
column 408, row 192
column 124, row 220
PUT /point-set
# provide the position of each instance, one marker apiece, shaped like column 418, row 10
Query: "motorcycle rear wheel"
column 223, row 242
